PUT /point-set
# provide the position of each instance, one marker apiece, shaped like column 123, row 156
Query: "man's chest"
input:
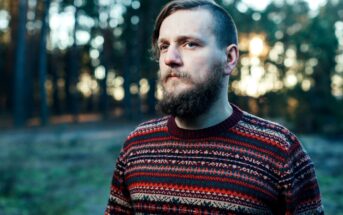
column 208, row 176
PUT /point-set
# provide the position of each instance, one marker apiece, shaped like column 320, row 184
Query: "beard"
column 195, row 101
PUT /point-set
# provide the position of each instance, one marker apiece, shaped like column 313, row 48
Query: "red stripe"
column 206, row 178
column 144, row 132
column 250, row 146
column 272, row 143
column 132, row 143
column 183, row 188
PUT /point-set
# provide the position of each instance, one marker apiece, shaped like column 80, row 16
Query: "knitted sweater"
column 243, row 165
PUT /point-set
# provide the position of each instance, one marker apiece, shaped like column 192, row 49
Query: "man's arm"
column 299, row 184
column 119, row 200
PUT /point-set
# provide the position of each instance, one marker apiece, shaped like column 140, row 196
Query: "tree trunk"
column 127, row 75
column 74, row 70
column 56, row 104
column 151, row 67
column 106, row 58
column 137, row 62
column 43, row 65
column 19, row 101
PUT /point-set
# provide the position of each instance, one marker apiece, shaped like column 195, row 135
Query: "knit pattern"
column 244, row 165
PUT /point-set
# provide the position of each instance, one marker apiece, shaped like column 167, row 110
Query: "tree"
column 19, row 85
column 43, row 64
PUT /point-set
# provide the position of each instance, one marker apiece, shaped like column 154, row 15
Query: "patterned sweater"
column 244, row 165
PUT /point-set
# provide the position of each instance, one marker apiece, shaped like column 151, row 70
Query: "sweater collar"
column 231, row 121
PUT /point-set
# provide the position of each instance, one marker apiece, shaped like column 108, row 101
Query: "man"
column 207, row 156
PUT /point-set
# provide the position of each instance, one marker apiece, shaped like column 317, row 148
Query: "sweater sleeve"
column 300, row 191
column 119, row 200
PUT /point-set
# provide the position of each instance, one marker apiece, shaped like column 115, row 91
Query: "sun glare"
column 256, row 46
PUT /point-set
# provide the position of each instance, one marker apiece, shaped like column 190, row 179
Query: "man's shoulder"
column 267, row 129
column 251, row 119
column 150, row 126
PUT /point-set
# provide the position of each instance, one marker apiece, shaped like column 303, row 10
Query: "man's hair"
column 224, row 26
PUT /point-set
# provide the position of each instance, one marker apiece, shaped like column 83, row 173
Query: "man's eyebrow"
column 182, row 38
column 162, row 40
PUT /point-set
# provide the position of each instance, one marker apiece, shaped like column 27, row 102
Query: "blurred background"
column 76, row 76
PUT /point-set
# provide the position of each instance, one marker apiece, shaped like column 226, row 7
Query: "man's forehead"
column 195, row 23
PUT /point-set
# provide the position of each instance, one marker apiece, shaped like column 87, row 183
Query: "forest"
column 68, row 61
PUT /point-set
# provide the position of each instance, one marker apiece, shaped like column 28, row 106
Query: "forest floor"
column 66, row 169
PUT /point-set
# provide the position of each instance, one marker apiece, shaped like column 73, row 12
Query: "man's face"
column 191, row 63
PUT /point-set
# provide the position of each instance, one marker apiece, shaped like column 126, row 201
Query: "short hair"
column 224, row 26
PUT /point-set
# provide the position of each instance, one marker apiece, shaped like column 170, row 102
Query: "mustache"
column 175, row 73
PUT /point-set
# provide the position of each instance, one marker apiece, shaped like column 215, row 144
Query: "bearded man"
column 206, row 156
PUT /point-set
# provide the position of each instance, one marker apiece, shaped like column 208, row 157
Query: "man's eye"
column 162, row 47
column 191, row 45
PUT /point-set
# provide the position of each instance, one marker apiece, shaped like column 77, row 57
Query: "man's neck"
column 219, row 111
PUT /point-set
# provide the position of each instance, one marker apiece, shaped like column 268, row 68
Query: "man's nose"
column 173, row 57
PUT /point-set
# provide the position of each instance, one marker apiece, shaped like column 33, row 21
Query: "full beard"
column 195, row 101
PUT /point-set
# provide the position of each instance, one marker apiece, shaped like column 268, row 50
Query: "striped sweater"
column 244, row 165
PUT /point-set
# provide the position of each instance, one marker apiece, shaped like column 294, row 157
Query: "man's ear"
column 232, row 56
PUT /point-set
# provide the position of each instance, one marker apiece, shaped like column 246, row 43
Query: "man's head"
column 223, row 25
column 196, row 53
